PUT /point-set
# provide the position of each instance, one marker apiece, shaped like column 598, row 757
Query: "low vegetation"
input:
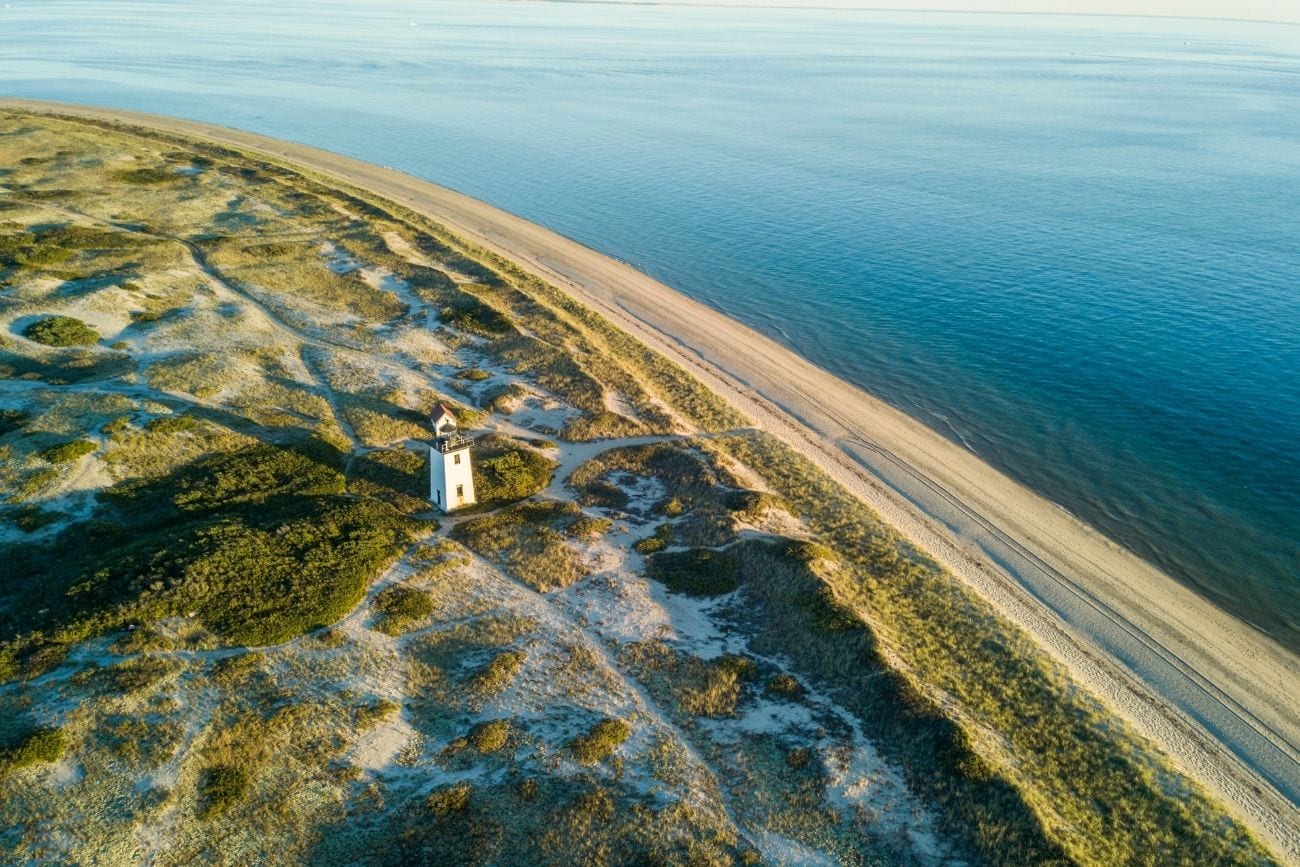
column 695, row 572
column 64, row 453
column 400, row 607
column 828, row 618
column 497, row 674
column 600, row 741
column 506, row 471
column 221, row 788
column 530, row 540
column 61, row 331
column 490, row 736
column 257, row 544
column 31, row 747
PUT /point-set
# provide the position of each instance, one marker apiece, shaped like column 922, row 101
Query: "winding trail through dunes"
column 1222, row 698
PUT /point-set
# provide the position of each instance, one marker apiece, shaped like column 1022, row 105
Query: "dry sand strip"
column 1220, row 697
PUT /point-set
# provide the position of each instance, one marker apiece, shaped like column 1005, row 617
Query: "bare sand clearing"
column 1221, row 698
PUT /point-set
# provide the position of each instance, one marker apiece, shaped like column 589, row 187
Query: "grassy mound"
column 696, row 572
column 61, row 331
column 530, row 540
column 399, row 607
column 603, row 738
column 505, row 471
column 258, row 544
column 31, row 747
column 65, row 453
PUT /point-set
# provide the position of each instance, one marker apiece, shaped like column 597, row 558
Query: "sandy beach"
column 1220, row 697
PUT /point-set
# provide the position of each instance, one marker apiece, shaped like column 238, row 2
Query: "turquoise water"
column 1070, row 243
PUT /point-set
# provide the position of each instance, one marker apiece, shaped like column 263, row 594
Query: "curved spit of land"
column 1218, row 695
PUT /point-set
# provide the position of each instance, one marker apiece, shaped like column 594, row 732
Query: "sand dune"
column 1222, row 698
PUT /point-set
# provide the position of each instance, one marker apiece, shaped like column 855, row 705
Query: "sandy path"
column 1222, row 698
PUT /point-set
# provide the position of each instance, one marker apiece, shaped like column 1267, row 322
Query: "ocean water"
column 1070, row 243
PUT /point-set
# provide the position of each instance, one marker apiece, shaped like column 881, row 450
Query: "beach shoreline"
column 1215, row 693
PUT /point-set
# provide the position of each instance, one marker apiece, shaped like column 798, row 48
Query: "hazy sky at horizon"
column 1259, row 10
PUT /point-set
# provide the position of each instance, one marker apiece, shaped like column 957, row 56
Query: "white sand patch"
column 419, row 345
column 619, row 607
column 779, row 850
column 643, row 492
column 65, row 773
column 377, row 749
column 403, row 248
column 694, row 626
column 765, row 716
column 617, row 402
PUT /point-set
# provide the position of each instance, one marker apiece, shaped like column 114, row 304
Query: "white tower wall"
column 451, row 478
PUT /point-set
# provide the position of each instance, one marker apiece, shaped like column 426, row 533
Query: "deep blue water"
column 1071, row 243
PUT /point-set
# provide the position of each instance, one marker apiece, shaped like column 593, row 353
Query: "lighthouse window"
column 455, row 459
column 460, row 491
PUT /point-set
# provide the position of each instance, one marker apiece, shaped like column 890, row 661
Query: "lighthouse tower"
column 451, row 473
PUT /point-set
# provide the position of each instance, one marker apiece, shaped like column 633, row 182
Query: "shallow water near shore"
column 1070, row 243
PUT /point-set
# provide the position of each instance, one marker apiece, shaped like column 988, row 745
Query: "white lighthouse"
column 451, row 472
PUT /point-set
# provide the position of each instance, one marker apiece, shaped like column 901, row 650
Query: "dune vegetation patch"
column 31, row 746
column 506, row 470
column 61, row 331
column 695, row 572
column 67, row 452
column 399, row 608
column 530, row 540
column 257, row 544
column 600, row 741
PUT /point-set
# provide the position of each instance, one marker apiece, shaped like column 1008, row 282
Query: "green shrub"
column 397, row 476
column 695, row 572
column 671, row 507
column 144, row 177
column 11, row 420
column 255, row 542
column 371, row 714
column 61, row 331
column 136, row 675
column 220, row 788
column 29, row 519
column 604, row 737
column 400, row 606
column 653, row 544
column 490, row 736
column 473, row 374
column 784, row 685
column 497, row 674
column 450, row 800
column 32, row 747
column 172, row 424
column 752, row 504
column 232, row 669
column 116, row 426
column 505, row 472
column 65, row 453
column 588, row 527
column 472, row 315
